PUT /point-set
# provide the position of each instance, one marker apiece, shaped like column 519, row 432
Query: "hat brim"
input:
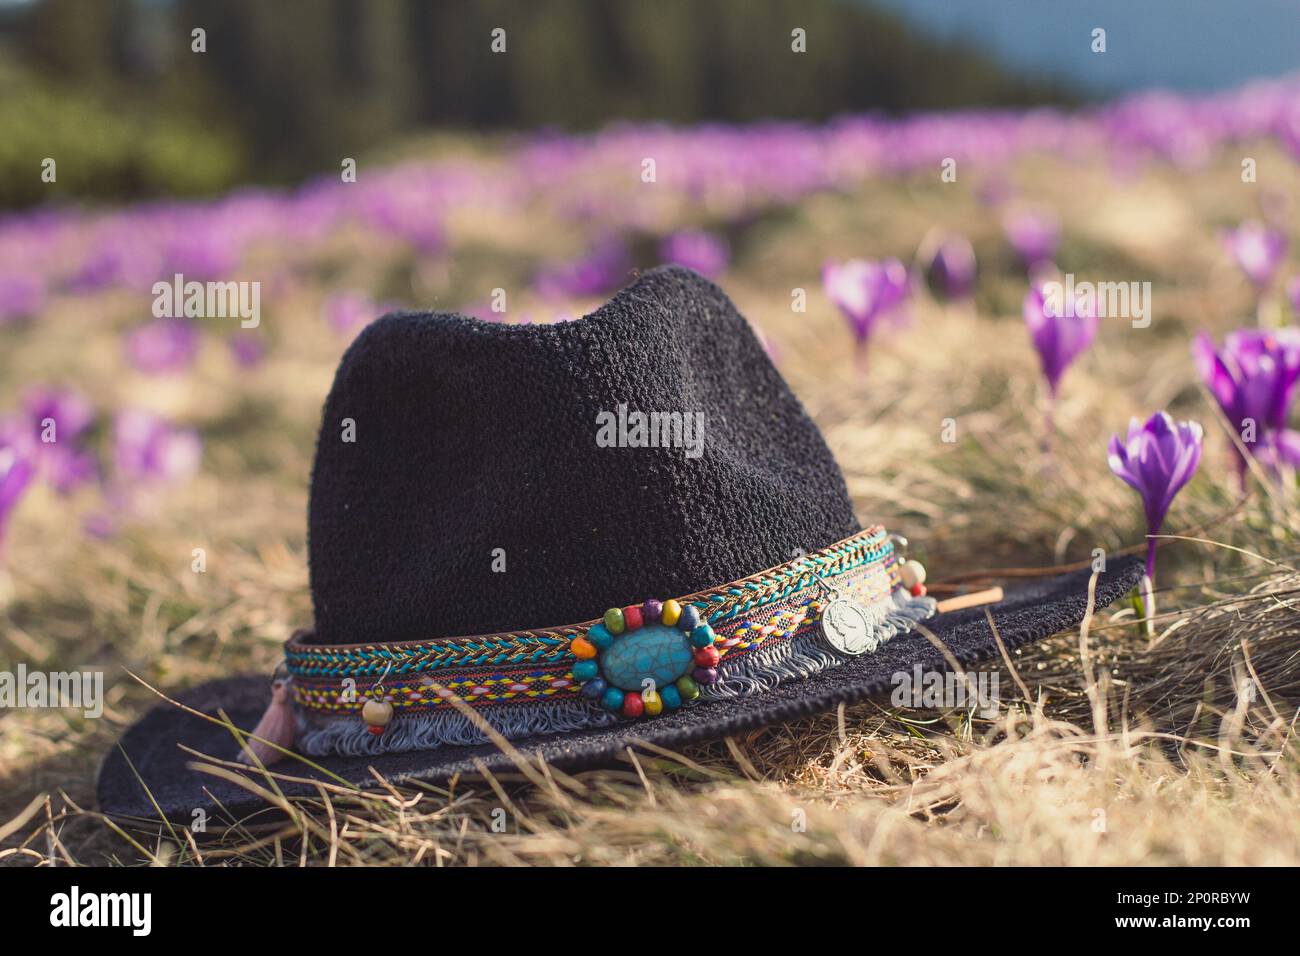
column 157, row 752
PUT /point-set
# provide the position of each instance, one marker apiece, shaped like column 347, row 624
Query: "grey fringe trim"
column 318, row 735
column 763, row 669
column 755, row 672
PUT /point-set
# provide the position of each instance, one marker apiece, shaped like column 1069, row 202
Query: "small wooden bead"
column 702, row 636
column 594, row 689
column 614, row 621
column 912, row 574
column 672, row 698
column 633, row 705
column 582, row 648
column 918, row 590
column 585, row 670
column 654, row 703
column 670, row 613
column 632, row 617
column 690, row 618
column 377, row 713
column 687, row 688
column 706, row 656
column 705, row 675
column 651, row 610
column 612, row 699
column 599, row 637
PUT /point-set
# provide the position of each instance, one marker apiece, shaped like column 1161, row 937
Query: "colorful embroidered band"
column 636, row 662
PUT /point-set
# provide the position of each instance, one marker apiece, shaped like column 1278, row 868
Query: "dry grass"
column 1113, row 747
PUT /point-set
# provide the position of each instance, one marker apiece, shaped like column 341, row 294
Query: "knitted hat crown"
column 473, row 477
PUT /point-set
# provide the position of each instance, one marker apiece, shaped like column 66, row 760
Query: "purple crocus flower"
column 348, row 312
column 69, row 412
column 952, row 268
column 867, row 292
column 163, row 346
column 59, row 418
column 600, row 270
column 247, row 349
column 1257, row 250
column 1157, row 458
column 148, row 450
column 21, row 297
column 1253, row 378
column 1288, row 130
column 16, row 469
column 149, row 453
column 1059, row 329
column 704, row 252
column 1293, row 293
column 1034, row 235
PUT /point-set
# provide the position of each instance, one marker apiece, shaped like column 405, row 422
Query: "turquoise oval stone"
column 660, row 653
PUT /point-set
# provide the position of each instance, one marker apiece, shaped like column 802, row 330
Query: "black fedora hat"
column 578, row 537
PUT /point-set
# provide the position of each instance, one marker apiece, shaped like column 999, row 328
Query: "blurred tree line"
column 287, row 88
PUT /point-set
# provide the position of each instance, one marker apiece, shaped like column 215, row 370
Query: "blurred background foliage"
column 112, row 89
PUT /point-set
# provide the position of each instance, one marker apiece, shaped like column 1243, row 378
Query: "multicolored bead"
column 377, row 714
column 669, row 613
column 704, row 657
column 688, row 688
column 644, row 659
column 912, row 573
column 599, row 637
column 614, row 621
column 612, row 699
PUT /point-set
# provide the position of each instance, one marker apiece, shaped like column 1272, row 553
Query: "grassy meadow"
column 1171, row 741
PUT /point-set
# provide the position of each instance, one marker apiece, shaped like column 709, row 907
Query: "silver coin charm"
column 846, row 627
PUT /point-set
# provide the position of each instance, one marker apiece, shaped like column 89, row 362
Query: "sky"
column 1193, row 45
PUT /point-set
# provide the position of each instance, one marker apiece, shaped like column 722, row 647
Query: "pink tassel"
column 276, row 726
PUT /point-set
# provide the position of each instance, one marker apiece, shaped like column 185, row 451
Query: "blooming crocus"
column 1257, row 250
column 349, row 311
column 16, row 469
column 1253, row 378
column 1288, row 130
column 1034, row 235
column 867, row 292
column 163, row 346
column 951, row 269
column 21, row 297
column 601, row 269
column 149, row 453
column 247, row 349
column 1293, row 293
column 1060, row 329
column 704, row 252
column 58, row 420
column 148, row 450
column 1157, row 458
